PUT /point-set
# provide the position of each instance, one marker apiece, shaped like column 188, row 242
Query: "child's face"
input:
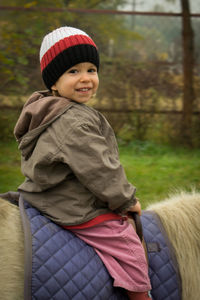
column 78, row 83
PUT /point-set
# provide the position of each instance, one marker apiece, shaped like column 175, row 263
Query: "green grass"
column 10, row 173
column 158, row 171
column 155, row 170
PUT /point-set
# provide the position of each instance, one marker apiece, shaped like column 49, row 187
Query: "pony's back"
column 11, row 252
column 180, row 215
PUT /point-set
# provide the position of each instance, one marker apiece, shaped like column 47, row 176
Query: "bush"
column 8, row 119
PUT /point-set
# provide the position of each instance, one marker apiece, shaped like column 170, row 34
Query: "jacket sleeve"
column 97, row 166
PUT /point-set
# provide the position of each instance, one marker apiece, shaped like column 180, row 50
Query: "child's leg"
column 139, row 296
column 120, row 249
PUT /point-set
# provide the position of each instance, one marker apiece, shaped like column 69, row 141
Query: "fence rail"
column 123, row 110
column 143, row 111
column 94, row 11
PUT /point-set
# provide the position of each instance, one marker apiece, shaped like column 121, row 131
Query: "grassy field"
column 158, row 171
column 10, row 174
column 155, row 170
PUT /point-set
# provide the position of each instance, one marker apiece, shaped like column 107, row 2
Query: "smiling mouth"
column 84, row 89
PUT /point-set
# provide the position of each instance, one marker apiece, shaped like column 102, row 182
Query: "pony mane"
column 180, row 216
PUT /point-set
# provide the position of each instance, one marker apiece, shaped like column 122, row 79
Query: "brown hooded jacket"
column 70, row 161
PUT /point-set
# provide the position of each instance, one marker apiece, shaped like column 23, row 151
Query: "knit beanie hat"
column 63, row 48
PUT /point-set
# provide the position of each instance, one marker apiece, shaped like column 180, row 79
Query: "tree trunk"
column 188, row 69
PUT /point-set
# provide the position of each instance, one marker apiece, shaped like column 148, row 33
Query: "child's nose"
column 84, row 77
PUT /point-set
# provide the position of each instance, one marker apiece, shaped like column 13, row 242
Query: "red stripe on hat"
column 62, row 45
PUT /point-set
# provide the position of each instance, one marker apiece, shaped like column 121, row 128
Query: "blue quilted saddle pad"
column 163, row 267
column 60, row 266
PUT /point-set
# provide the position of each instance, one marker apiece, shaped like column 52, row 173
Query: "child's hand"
column 136, row 208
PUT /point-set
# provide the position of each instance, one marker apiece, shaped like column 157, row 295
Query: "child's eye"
column 73, row 71
column 92, row 70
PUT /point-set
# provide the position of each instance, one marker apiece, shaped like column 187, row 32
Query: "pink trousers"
column 121, row 251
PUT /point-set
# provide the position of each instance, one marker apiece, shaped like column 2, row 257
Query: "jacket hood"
column 38, row 113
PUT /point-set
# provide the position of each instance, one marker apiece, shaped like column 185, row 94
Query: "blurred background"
column 149, row 74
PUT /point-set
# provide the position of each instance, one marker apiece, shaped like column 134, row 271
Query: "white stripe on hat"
column 55, row 36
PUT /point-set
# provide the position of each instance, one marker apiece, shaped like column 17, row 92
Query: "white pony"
column 180, row 216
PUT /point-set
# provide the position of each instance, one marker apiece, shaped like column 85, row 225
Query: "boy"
column 70, row 160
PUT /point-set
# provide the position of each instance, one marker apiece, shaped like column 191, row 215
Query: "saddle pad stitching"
column 92, row 287
column 160, row 263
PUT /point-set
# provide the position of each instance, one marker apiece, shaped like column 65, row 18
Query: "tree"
column 21, row 32
column 188, row 70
